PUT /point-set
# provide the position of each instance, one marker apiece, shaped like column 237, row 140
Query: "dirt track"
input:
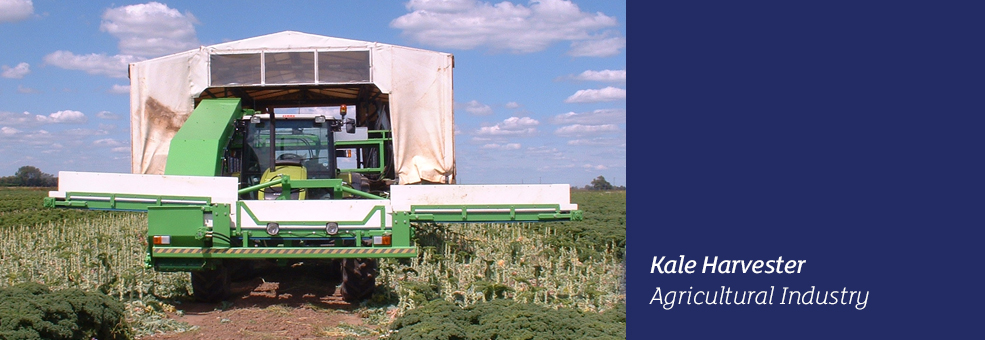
column 282, row 304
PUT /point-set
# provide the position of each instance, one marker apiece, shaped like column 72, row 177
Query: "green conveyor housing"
column 197, row 148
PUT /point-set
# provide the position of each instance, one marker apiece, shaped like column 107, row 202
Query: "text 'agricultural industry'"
column 725, row 296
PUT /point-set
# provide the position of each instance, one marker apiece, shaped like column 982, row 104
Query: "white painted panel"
column 315, row 210
column 362, row 133
column 220, row 189
column 403, row 196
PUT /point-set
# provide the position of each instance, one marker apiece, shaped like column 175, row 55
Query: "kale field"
column 521, row 277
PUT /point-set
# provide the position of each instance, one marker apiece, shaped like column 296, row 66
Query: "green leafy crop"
column 32, row 311
column 22, row 206
column 507, row 319
column 603, row 228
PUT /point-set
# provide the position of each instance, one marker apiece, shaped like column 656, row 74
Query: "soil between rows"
column 296, row 302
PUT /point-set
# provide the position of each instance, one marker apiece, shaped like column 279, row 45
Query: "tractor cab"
column 301, row 145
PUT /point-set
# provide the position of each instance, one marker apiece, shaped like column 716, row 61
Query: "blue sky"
column 540, row 86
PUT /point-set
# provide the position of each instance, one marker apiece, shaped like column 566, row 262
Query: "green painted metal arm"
column 125, row 202
column 288, row 183
column 261, row 186
column 492, row 213
column 361, row 193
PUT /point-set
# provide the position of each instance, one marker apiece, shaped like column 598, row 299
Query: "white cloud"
column 478, row 109
column 8, row 131
column 440, row 5
column 39, row 137
column 612, row 76
column 145, row 30
column 594, row 167
column 119, row 89
column 545, row 152
column 606, row 47
column 601, row 116
column 107, row 142
column 16, row 119
column 513, row 126
column 508, row 146
column 107, row 115
column 599, row 141
column 150, row 30
column 607, row 94
column 63, row 117
column 467, row 24
column 72, row 149
column 24, row 89
column 15, row 10
column 99, row 64
column 84, row 132
column 542, row 150
column 580, row 130
column 512, row 105
column 16, row 72
column 554, row 167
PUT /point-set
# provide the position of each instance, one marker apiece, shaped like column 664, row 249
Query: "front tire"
column 358, row 279
column 210, row 285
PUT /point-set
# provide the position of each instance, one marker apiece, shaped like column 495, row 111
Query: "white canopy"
column 418, row 84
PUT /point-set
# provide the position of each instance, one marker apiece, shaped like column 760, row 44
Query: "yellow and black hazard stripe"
column 285, row 251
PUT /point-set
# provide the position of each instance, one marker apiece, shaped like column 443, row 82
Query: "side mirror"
column 350, row 125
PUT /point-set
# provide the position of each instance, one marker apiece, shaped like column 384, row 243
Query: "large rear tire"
column 210, row 285
column 358, row 279
column 239, row 269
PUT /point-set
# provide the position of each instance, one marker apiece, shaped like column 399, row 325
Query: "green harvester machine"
column 243, row 153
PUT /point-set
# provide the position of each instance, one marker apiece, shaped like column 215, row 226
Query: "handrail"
column 262, row 185
column 286, row 182
column 361, row 193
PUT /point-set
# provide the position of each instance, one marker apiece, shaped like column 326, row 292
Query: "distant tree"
column 599, row 183
column 48, row 180
column 10, row 181
column 29, row 176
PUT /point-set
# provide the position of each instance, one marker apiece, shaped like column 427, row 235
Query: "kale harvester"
column 295, row 147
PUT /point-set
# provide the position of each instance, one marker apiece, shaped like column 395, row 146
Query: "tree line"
column 29, row 176
column 599, row 183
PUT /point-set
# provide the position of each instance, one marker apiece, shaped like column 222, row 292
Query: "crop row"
column 572, row 264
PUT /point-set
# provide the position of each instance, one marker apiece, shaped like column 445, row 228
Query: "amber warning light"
column 384, row 240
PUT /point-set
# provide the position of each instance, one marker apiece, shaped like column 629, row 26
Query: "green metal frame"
column 126, row 202
column 380, row 143
column 491, row 213
column 161, row 257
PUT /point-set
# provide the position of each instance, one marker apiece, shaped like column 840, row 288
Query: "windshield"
column 298, row 142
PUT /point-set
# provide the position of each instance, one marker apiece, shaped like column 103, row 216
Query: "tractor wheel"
column 210, row 285
column 239, row 269
column 358, row 279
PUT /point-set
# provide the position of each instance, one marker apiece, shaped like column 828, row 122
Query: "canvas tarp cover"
column 418, row 82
